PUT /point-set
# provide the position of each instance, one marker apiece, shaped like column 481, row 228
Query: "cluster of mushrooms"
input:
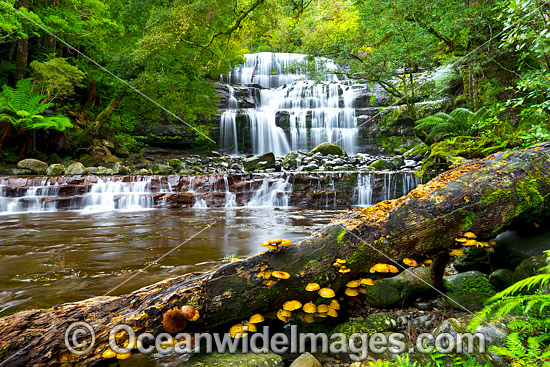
column 468, row 239
column 173, row 321
column 276, row 244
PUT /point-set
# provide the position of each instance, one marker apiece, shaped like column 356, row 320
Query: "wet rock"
column 529, row 267
column 234, row 360
column 76, row 169
column 111, row 159
column 502, row 279
column 328, row 148
column 104, row 171
column 306, row 360
column 390, row 291
column 512, row 248
column 263, row 161
column 91, row 170
column 175, row 164
column 122, row 151
column 162, row 169
column 468, row 291
column 382, row 165
column 55, row 170
column 291, row 160
column 143, row 171
column 34, row 165
column 119, row 169
column 310, row 167
column 473, row 259
column 91, row 161
column 15, row 172
column 456, row 282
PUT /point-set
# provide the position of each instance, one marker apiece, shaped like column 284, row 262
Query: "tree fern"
column 440, row 126
column 22, row 107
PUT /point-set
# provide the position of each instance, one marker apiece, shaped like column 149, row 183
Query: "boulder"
column 175, row 164
column 306, row 360
column 529, row 267
column 327, row 149
column 90, row 161
column 512, row 248
column 111, row 159
column 390, row 291
column 122, row 151
column 502, row 279
column 55, row 170
column 119, row 169
column 162, row 169
column 34, row 165
column 468, row 291
column 15, row 172
column 456, row 282
column 234, row 360
column 382, row 165
column 104, row 171
column 263, row 161
column 75, row 169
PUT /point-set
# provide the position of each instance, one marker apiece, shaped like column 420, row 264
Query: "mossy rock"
column 55, row 170
column 34, row 165
column 290, row 160
column 372, row 324
column 75, row 169
column 529, row 267
column 306, row 360
column 234, row 360
column 382, row 165
column 502, row 279
column 162, row 169
column 468, row 292
column 175, row 164
column 328, row 149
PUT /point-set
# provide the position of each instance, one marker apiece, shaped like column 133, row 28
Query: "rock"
column 91, row 170
column 90, row 161
column 34, row 165
column 398, row 162
column 328, row 148
column 306, row 360
column 502, row 279
column 104, row 171
column 512, row 248
column 390, row 291
column 473, row 259
column 456, row 282
column 162, row 169
column 267, row 161
column 382, row 165
column 108, row 144
column 119, row 169
column 54, row 158
column 529, row 267
column 100, row 153
column 75, row 169
column 234, row 360
column 468, row 291
column 56, row 170
column 111, row 159
column 122, row 151
column 175, row 164
column 143, row 171
column 291, row 160
column 310, row 167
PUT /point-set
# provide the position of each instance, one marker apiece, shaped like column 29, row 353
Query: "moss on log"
column 484, row 197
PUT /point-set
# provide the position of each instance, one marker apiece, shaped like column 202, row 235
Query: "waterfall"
column 410, row 182
column 312, row 112
column 364, row 190
column 230, row 197
column 112, row 195
column 272, row 194
column 36, row 199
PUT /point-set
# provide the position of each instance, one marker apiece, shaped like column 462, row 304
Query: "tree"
column 56, row 78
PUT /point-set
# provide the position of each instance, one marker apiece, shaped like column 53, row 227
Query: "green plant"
column 440, row 126
column 529, row 342
column 21, row 107
column 57, row 78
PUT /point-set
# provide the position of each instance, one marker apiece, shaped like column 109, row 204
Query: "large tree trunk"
column 483, row 196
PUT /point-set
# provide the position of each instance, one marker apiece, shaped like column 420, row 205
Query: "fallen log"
column 484, row 197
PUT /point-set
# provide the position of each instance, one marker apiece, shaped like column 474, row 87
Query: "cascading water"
column 272, row 194
column 364, row 190
column 35, row 199
column 315, row 112
column 112, row 195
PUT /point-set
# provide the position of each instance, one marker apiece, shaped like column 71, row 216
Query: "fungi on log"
column 484, row 197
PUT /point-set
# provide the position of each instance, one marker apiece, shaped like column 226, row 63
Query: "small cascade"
column 272, row 194
column 292, row 111
column 390, row 186
column 410, row 182
column 118, row 195
column 230, row 197
column 36, row 199
column 364, row 190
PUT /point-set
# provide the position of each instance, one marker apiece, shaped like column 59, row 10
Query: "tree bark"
column 484, row 197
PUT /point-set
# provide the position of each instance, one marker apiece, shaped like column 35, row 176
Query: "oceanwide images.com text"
column 358, row 346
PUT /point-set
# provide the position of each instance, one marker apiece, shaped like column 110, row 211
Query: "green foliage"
column 57, row 78
column 22, row 108
column 460, row 122
column 529, row 342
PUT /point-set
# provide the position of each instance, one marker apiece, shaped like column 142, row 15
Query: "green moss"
column 528, row 194
column 497, row 196
column 341, row 236
column 472, row 294
column 467, row 222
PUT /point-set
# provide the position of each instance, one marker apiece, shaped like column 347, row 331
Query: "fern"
column 22, row 107
column 440, row 126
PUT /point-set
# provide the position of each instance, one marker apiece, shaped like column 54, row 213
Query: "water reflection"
column 57, row 257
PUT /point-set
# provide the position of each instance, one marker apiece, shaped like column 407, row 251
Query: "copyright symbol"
column 77, row 338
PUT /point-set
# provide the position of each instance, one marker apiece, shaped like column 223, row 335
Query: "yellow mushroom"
column 310, row 307
column 320, row 314
column 124, row 356
column 326, row 293
column 174, row 321
column 362, row 290
column 309, row 318
column 427, row 262
column 256, row 319
column 275, row 241
column 322, row 308
column 461, row 239
column 250, row 327
column 332, row 313
column 341, row 261
column 237, row 331
column 334, row 305
column 265, row 243
column 196, row 317
column 393, row 269
column 469, row 235
column 367, row 281
column 188, row 311
column 285, row 243
column 353, row 284
column 492, row 243
column 292, row 305
column 470, row 243
column 380, row 268
column 456, row 252
column 108, row 353
column 273, row 247
column 312, row 287
column 281, row 315
column 490, row 249
column 410, row 262
column 344, row 270
column 280, row 274
column 352, row 292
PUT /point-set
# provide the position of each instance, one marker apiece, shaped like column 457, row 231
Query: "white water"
column 35, row 199
column 272, row 194
column 318, row 112
column 364, row 190
column 117, row 195
column 366, row 182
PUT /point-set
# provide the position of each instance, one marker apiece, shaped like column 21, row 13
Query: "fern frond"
column 537, row 280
